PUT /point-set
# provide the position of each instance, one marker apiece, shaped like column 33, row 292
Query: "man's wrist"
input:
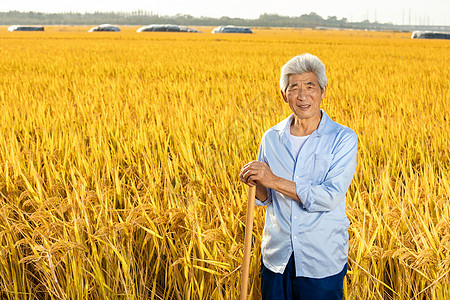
column 284, row 186
column 275, row 183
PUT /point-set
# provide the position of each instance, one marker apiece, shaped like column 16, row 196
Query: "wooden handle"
column 248, row 241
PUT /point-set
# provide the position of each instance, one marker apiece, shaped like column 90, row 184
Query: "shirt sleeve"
column 331, row 192
column 261, row 157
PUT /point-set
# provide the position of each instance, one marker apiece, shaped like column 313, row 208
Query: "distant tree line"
column 140, row 17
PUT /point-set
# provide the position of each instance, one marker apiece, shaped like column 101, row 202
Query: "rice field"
column 120, row 155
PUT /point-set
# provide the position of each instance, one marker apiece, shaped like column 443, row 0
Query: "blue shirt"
column 315, row 230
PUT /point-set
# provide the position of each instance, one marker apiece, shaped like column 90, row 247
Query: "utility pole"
column 410, row 17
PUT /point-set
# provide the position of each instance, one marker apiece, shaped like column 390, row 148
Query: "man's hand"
column 257, row 172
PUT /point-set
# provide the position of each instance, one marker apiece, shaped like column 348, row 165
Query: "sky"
column 414, row 12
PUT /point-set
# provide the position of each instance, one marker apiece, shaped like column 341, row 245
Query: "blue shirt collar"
column 326, row 126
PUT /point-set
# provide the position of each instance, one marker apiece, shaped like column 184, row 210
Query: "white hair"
column 302, row 64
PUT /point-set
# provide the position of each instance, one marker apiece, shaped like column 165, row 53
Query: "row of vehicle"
column 220, row 29
column 148, row 28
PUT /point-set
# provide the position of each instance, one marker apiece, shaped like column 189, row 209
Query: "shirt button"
column 295, row 218
column 295, row 237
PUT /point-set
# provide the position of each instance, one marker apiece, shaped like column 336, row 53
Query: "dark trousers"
column 286, row 286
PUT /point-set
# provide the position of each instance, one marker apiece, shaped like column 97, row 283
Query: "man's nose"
column 301, row 93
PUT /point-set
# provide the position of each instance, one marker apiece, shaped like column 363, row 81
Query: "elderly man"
column 304, row 168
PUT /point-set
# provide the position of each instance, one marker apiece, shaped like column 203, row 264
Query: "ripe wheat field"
column 120, row 155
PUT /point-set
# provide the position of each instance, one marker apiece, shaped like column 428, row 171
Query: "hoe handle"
column 248, row 241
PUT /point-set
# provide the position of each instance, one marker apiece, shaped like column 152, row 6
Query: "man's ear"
column 284, row 96
column 324, row 92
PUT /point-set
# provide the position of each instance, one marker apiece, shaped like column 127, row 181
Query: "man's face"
column 304, row 95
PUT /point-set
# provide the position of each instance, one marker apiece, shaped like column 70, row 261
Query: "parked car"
column 105, row 27
column 165, row 28
column 25, row 28
column 231, row 29
column 430, row 35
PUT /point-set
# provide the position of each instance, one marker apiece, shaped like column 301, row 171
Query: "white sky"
column 418, row 12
